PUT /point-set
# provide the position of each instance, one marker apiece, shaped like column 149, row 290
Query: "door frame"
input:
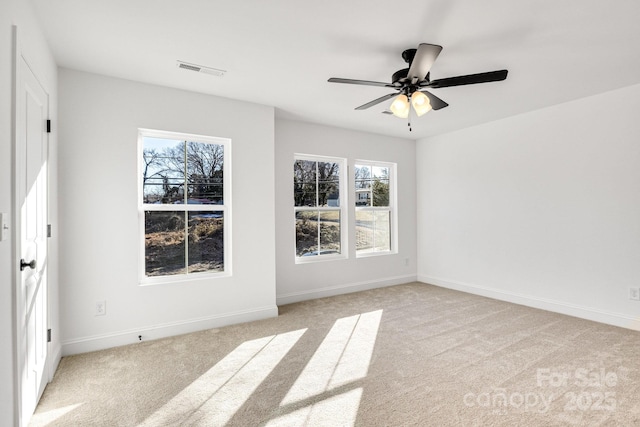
column 18, row 58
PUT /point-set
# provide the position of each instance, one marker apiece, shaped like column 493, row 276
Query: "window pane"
column 363, row 177
column 329, row 232
column 304, row 183
column 380, row 186
column 382, row 238
column 162, row 170
column 364, row 230
column 206, row 241
column 363, row 185
column 328, row 184
column 205, row 164
column 307, row 233
column 373, row 231
column 164, row 243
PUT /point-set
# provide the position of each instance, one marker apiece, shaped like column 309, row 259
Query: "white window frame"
column 225, row 208
column 344, row 202
column 392, row 208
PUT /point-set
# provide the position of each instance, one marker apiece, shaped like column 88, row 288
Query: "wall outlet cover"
column 101, row 308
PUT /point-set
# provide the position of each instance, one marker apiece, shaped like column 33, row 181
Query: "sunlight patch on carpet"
column 47, row 417
column 343, row 357
column 216, row 395
column 339, row 410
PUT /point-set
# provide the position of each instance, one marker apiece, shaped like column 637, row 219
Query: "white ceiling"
column 281, row 52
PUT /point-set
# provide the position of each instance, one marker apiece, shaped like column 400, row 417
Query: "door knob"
column 31, row 265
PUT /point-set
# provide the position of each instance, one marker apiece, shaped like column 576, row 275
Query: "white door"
column 31, row 181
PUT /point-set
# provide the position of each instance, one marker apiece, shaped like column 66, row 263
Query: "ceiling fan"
column 411, row 83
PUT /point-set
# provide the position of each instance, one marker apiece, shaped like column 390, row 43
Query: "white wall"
column 296, row 282
column 34, row 47
column 7, row 268
column 541, row 209
column 99, row 121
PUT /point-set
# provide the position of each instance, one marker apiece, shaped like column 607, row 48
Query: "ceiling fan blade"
column 376, row 101
column 470, row 79
column 359, row 82
column 423, row 61
column 436, row 103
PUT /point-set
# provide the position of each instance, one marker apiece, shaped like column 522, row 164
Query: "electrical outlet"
column 101, row 308
column 634, row 294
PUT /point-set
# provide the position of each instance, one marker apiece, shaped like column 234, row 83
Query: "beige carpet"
column 408, row 355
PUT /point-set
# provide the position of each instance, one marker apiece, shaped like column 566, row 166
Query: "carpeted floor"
column 408, row 355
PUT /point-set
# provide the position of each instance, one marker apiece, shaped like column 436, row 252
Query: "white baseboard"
column 589, row 313
column 343, row 289
column 101, row 342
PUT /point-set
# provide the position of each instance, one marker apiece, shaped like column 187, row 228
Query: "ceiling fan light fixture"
column 421, row 103
column 400, row 106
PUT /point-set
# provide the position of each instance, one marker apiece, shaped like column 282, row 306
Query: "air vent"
column 201, row 69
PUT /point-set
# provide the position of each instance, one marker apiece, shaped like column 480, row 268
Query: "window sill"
column 319, row 258
column 374, row 254
column 181, row 278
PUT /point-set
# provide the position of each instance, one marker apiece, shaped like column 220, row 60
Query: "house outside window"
column 319, row 207
column 375, row 212
column 184, row 205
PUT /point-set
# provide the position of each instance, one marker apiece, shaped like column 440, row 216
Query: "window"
column 319, row 213
column 184, row 204
column 374, row 205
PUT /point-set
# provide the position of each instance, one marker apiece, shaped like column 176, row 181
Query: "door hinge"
column 48, row 126
column 48, row 335
column 48, row 230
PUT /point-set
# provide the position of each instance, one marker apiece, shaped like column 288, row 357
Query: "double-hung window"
column 375, row 207
column 184, row 204
column 319, row 210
